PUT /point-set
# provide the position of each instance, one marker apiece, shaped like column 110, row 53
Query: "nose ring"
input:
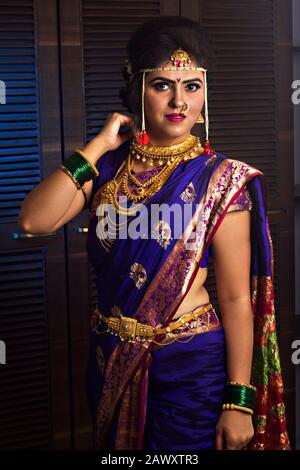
column 184, row 107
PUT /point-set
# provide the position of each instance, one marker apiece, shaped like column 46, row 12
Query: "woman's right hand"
column 110, row 131
column 109, row 137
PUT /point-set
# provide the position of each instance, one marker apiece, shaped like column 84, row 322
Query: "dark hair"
column 154, row 42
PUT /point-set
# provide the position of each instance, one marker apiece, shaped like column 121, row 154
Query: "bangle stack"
column 239, row 396
column 79, row 168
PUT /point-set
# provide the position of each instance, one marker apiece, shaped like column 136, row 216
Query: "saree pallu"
column 147, row 279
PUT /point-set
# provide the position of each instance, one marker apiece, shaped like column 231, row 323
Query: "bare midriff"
column 197, row 294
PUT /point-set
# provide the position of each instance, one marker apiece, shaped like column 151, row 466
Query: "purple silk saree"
column 170, row 397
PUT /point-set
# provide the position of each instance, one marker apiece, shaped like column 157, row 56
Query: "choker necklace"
column 165, row 155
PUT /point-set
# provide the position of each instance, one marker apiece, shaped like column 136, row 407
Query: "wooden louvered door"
column 34, row 382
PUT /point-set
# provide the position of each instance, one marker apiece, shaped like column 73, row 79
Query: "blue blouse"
column 243, row 202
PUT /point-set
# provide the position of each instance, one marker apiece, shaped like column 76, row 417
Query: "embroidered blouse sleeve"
column 242, row 203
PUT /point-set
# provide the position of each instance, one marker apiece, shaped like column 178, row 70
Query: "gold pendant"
column 140, row 191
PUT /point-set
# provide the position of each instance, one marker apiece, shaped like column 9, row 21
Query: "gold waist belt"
column 129, row 329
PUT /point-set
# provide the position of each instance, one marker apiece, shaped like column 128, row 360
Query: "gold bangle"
column 231, row 406
column 90, row 163
column 242, row 384
column 67, row 172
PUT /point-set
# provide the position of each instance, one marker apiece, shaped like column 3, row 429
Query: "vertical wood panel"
column 51, row 155
column 170, row 7
column 283, row 43
column 73, row 129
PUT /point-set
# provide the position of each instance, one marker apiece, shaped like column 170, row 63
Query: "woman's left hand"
column 234, row 430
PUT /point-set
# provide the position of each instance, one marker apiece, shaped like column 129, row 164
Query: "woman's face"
column 166, row 93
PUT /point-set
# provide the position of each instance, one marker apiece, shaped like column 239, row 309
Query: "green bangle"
column 90, row 163
column 240, row 395
column 67, row 172
column 80, row 168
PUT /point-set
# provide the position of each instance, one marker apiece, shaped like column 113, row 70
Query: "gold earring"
column 200, row 119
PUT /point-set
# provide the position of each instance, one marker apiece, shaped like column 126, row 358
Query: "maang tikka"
column 180, row 61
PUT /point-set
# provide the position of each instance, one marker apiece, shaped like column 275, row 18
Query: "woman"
column 173, row 374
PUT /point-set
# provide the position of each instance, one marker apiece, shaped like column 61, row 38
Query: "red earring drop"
column 143, row 138
column 207, row 150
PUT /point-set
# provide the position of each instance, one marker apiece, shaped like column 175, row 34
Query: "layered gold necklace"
column 168, row 157
column 164, row 155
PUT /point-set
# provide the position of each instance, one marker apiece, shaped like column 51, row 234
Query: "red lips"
column 176, row 115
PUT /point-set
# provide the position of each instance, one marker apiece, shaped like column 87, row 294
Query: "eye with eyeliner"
column 158, row 84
